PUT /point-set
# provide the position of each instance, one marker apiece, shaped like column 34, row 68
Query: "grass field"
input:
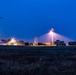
column 39, row 60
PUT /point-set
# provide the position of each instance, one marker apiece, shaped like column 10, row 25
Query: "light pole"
column 52, row 35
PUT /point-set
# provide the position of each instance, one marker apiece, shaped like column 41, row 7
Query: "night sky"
column 25, row 19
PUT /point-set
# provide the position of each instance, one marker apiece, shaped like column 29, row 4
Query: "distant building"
column 15, row 42
column 20, row 43
column 72, row 43
column 12, row 42
column 2, row 43
column 60, row 43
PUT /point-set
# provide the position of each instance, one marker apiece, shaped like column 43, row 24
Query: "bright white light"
column 52, row 35
column 51, row 31
column 13, row 40
column 48, row 37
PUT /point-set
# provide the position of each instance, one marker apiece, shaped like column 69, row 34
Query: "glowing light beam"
column 52, row 36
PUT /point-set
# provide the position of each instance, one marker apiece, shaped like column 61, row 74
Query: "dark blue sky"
column 28, row 18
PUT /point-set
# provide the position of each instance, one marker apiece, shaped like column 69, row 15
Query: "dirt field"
column 37, row 60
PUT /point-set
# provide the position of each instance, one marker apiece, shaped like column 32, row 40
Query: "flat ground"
column 37, row 60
